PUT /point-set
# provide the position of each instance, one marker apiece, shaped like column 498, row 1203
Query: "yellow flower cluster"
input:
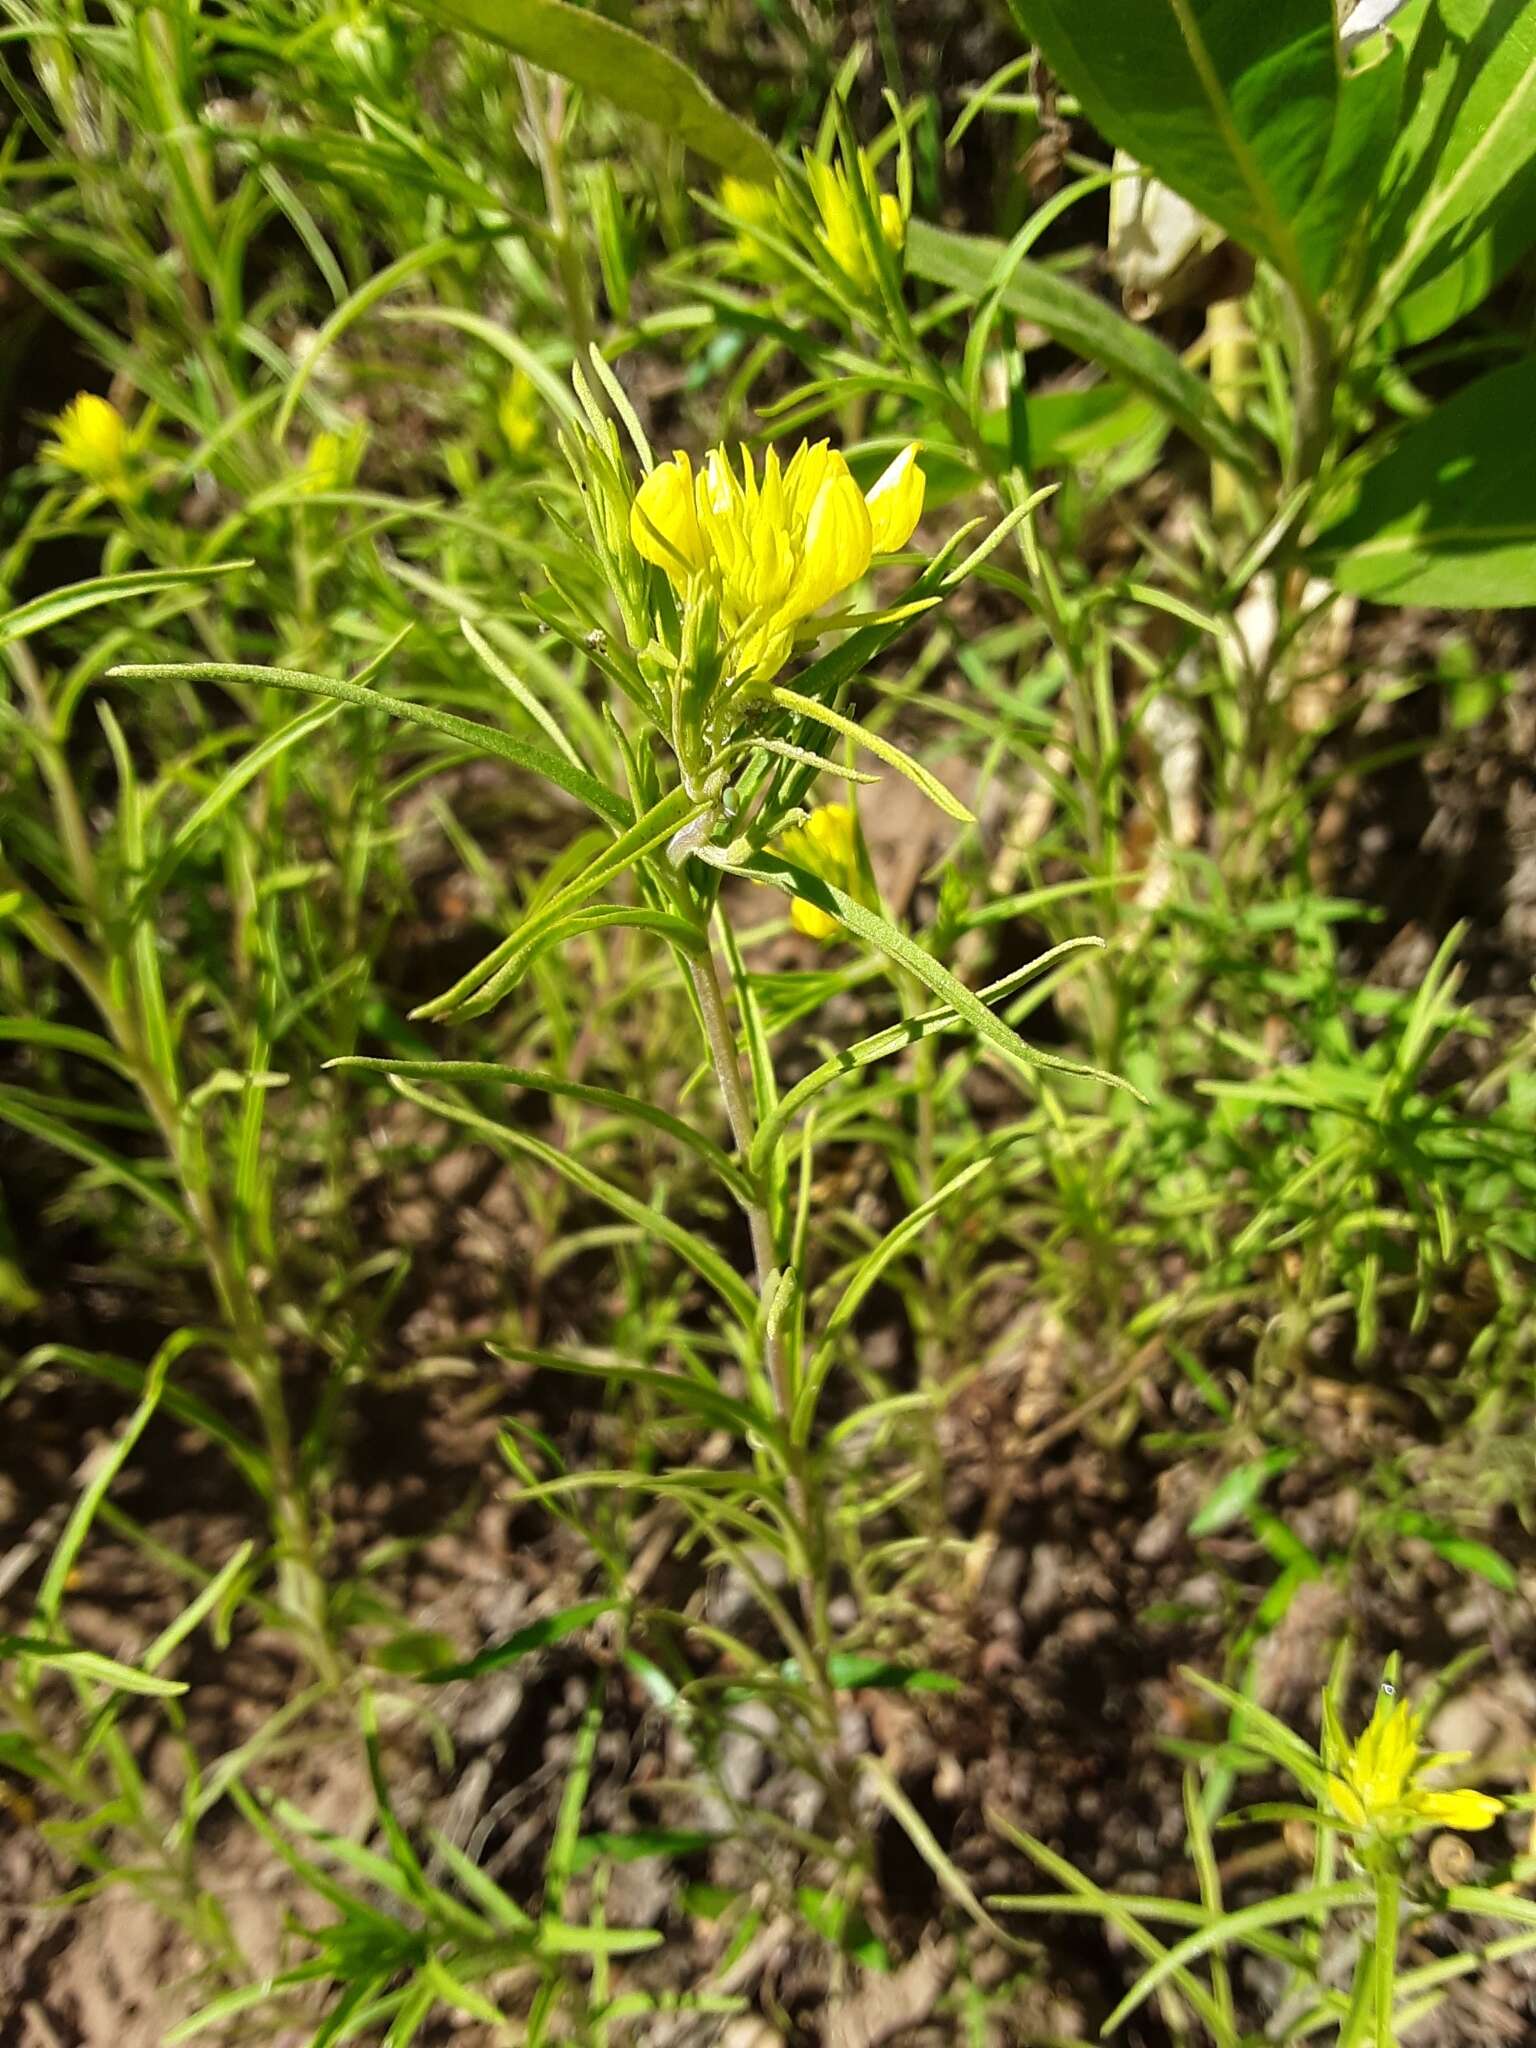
column 838, row 226
column 1375, row 1787
column 841, row 233
column 91, row 439
column 771, row 550
column 827, row 844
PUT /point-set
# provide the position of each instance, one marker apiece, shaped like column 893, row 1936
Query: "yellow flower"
column 519, row 414
column 770, row 551
column 750, row 206
column 827, row 844
column 92, row 440
column 842, row 232
column 322, row 465
column 1375, row 1786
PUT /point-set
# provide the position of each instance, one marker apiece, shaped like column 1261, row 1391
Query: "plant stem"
column 1384, row 1957
column 802, row 1492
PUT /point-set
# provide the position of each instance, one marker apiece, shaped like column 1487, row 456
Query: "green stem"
column 803, row 1498
column 1384, row 1954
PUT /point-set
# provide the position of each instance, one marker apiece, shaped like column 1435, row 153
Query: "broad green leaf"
column 1365, row 126
column 616, row 64
column 1231, row 104
column 1470, row 133
column 1084, row 323
column 536, row 1636
column 64, row 603
column 1465, row 267
column 1448, row 516
column 484, row 739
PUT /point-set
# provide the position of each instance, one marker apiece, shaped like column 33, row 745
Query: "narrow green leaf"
column 632, row 1108
column 483, row 739
column 895, row 1038
column 1231, row 1498
column 15, row 1108
column 1084, row 323
column 774, row 872
column 655, row 1223
column 221, row 796
column 89, row 1664
column 850, row 729
column 538, row 1635
column 1313, row 1903
column 636, row 1844
column 57, row 605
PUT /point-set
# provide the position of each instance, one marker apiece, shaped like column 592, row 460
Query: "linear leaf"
column 774, row 872
column 1085, row 324
column 485, row 739
column 883, row 750
column 894, row 1038
column 655, row 1223
column 631, row 1107
column 64, row 603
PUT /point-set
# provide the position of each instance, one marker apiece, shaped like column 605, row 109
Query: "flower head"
column 1374, row 1784
column 841, row 230
column 827, row 843
column 750, row 206
column 519, row 415
column 92, row 439
column 770, row 550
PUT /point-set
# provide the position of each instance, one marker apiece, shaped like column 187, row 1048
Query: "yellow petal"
column 1469, row 1810
column 892, row 226
column 747, row 201
column 839, row 223
column 664, row 519
column 895, row 502
column 1346, row 1802
column 829, row 828
column 92, row 438
column 814, row 923
column 838, row 544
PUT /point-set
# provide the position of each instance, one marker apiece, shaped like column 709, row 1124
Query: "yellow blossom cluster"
column 91, row 439
column 1375, row 1785
column 770, row 549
